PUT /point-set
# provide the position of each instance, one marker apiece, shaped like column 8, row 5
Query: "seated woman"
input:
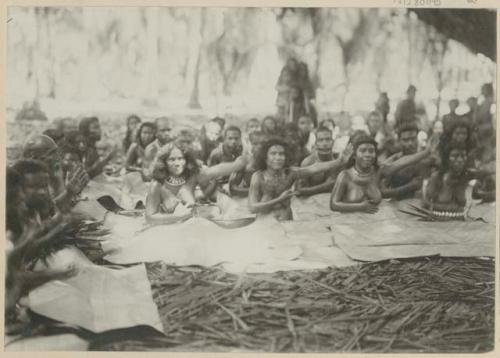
column 270, row 186
column 444, row 193
column 145, row 135
column 356, row 187
column 175, row 176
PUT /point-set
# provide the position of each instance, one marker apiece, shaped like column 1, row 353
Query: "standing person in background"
column 308, row 91
column 452, row 116
column 382, row 105
column 133, row 122
column 484, row 118
column 407, row 108
column 471, row 113
column 91, row 129
column 286, row 80
column 296, row 107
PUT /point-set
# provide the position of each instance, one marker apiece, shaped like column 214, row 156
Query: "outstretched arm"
column 221, row 170
column 389, row 167
column 411, row 187
column 325, row 187
column 318, row 167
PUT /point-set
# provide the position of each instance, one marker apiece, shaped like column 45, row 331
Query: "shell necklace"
column 176, row 180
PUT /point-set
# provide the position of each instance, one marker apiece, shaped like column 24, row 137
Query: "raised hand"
column 347, row 153
column 77, row 180
column 287, row 194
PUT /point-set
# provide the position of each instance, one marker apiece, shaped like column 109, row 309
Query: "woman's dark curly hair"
column 445, row 155
column 358, row 138
column 138, row 139
column 445, row 141
column 160, row 168
column 261, row 158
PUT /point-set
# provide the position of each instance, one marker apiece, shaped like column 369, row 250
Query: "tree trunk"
column 196, row 28
column 151, row 95
column 51, row 73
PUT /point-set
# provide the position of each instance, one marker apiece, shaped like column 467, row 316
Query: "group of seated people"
column 266, row 164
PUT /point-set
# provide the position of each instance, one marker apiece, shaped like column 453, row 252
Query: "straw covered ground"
column 426, row 304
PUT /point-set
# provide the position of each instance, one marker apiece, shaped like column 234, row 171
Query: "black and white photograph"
column 250, row 179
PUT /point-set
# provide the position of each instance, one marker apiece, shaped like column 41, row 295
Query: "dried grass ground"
column 427, row 304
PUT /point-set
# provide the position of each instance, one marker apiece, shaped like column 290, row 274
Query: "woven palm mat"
column 426, row 304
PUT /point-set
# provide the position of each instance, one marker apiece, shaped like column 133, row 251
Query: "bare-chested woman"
column 271, row 185
column 176, row 174
column 444, row 193
column 357, row 186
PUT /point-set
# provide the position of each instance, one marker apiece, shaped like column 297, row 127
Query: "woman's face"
column 176, row 162
column 276, row 157
column 147, row 135
column 459, row 135
column 365, row 156
column 457, row 159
